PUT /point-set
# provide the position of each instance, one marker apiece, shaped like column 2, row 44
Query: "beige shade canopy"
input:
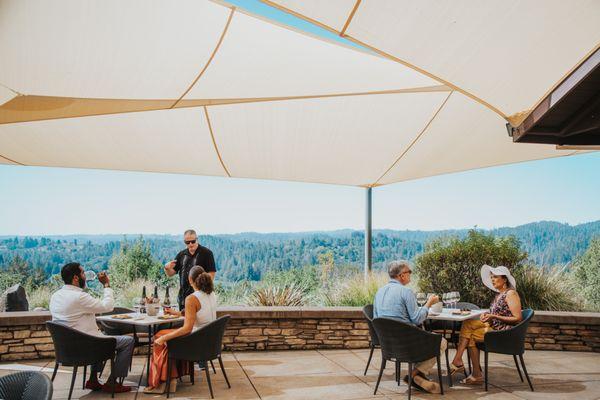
column 200, row 87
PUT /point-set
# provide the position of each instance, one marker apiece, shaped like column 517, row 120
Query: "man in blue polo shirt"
column 396, row 300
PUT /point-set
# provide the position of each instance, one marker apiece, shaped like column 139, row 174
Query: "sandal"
column 470, row 380
column 160, row 389
column 454, row 369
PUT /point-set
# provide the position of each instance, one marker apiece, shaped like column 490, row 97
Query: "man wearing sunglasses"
column 193, row 255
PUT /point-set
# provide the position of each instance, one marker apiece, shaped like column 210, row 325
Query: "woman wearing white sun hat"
column 505, row 311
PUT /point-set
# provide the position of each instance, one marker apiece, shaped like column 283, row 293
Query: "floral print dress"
column 500, row 307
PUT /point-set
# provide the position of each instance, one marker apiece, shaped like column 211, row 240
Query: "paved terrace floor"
column 338, row 374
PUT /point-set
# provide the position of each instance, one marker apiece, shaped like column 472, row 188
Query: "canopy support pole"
column 368, row 233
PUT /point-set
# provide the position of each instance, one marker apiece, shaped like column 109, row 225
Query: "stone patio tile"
column 27, row 365
column 87, row 394
column 240, row 389
column 467, row 394
column 340, row 386
column 346, row 359
column 561, row 390
column 251, row 355
column 564, row 364
column 63, row 381
column 266, row 366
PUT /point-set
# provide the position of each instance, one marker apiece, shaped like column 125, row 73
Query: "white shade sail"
column 200, row 87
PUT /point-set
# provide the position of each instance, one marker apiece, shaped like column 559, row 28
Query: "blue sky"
column 63, row 201
column 37, row 200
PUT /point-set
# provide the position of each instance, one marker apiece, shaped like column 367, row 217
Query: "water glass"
column 137, row 306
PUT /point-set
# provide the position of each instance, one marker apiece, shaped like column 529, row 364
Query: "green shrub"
column 547, row 289
column 279, row 295
column 8, row 279
column 587, row 274
column 307, row 277
column 134, row 262
column 233, row 294
column 353, row 291
column 39, row 297
column 454, row 264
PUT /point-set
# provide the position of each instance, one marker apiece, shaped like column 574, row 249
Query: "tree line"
column 249, row 256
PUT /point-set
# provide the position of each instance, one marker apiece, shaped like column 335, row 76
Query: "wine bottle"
column 143, row 305
column 167, row 300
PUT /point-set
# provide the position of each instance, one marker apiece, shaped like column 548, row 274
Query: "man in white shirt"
column 77, row 309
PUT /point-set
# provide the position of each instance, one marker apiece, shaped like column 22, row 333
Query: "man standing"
column 193, row 255
column 76, row 309
column 396, row 300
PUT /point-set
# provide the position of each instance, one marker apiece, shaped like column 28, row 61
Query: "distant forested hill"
column 249, row 255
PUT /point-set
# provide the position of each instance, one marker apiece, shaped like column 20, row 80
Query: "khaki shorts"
column 474, row 330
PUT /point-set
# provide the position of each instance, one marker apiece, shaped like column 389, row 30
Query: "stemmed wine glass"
column 421, row 299
column 446, row 299
column 456, row 298
column 90, row 275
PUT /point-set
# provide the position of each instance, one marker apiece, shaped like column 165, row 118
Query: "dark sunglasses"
column 189, row 241
column 407, row 272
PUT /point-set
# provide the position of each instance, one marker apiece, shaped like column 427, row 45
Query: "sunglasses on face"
column 407, row 272
column 189, row 241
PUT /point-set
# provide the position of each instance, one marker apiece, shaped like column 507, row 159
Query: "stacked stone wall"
column 23, row 336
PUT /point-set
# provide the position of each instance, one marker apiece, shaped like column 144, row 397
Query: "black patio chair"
column 510, row 341
column 374, row 341
column 29, row 385
column 402, row 342
column 204, row 345
column 75, row 349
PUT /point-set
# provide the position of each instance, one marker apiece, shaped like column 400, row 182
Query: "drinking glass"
column 421, row 299
column 137, row 306
column 90, row 275
column 456, row 298
column 445, row 299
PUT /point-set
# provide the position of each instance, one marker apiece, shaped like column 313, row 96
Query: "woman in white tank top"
column 208, row 308
column 200, row 310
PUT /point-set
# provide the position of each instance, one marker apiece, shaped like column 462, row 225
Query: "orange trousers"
column 158, row 363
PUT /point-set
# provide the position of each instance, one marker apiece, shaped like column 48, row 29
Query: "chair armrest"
column 508, row 341
column 73, row 347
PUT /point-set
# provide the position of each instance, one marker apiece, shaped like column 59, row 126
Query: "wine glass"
column 456, row 297
column 445, row 299
column 421, row 299
column 90, row 275
column 137, row 306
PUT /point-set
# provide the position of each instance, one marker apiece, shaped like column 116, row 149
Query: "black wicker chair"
column 510, row 341
column 374, row 342
column 75, row 349
column 203, row 345
column 28, row 385
column 402, row 342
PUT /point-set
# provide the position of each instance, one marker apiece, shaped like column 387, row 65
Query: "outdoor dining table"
column 446, row 315
column 152, row 322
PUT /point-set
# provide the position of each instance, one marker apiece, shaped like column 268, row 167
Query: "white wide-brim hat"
column 487, row 271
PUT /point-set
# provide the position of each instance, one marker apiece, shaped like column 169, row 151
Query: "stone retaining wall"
column 564, row 331
column 23, row 335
